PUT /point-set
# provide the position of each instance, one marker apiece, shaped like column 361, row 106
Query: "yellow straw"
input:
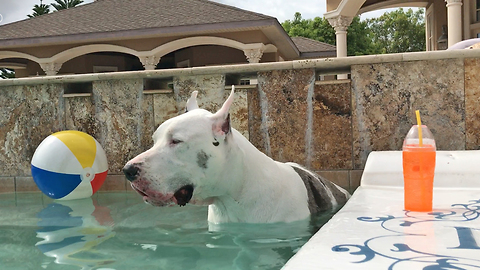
column 419, row 123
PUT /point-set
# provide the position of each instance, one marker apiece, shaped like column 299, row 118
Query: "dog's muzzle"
column 131, row 172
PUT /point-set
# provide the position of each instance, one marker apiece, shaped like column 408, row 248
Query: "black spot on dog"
column 318, row 199
column 202, row 159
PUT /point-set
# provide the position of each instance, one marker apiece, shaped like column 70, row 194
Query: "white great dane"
column 198, row 158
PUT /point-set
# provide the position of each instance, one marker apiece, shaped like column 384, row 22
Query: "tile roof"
column 122, row 15
column 310, row 45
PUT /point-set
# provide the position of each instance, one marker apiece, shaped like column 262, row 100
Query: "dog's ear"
column 192, row 102
column 221, row 119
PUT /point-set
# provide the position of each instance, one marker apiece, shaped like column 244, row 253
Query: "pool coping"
column 374, row 231
column 323, row 66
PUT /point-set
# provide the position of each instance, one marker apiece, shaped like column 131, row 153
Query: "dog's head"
column 187, row 158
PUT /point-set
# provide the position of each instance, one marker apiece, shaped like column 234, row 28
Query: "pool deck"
column 373, row 231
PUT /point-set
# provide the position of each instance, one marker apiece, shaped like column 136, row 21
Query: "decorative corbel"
column 51, row 69
column 149, row 62
column 254, row 54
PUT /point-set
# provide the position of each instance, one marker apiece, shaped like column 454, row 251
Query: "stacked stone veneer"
column 330, row 127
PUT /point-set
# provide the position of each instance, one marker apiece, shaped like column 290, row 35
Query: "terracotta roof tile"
column 121, row 15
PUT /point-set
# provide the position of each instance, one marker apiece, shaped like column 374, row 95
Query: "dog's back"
column 322, row 194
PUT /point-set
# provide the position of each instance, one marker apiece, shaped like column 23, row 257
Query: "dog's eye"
column 175, row 141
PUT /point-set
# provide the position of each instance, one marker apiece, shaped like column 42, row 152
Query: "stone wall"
column 330, row 127
column 384, row 107
column 296, row 119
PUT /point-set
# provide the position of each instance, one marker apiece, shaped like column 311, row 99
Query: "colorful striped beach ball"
column 69, row 165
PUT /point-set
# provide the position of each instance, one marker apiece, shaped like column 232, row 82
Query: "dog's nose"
column 131, row 172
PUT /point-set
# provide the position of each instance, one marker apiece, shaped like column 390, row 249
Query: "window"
column 430, row 30
column 244, row 82
column 248, row 81
column 430, row 33
column 477, row 8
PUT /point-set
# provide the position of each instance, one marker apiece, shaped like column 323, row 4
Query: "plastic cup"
column 418, row 169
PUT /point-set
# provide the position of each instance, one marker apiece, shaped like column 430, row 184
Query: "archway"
column 101, row 61
column 23, row 65
column 86, row 49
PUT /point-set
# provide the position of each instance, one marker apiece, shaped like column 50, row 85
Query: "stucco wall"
column 330, row 127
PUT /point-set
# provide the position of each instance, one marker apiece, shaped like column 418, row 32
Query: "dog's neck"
column 248, row 197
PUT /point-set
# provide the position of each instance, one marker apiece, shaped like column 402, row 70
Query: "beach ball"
column 69, row 165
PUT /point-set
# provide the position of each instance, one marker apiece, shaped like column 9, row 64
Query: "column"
column 454, row 14
column 51, row 69
column 149, row 62
column 340, row 24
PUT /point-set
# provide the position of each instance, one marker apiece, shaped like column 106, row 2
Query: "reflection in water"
column 80, row 234
column 72, row 229
column 176, row 240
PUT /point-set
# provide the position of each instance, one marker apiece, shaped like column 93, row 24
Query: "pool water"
column 119, row 231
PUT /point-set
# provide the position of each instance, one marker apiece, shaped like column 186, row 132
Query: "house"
column 125, row 35
column 447, row 21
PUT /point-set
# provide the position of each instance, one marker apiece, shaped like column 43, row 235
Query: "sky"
column 16, row 10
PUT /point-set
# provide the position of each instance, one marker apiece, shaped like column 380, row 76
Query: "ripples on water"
column 118, row 231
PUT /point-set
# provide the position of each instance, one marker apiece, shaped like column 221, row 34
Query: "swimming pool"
column 119, row 231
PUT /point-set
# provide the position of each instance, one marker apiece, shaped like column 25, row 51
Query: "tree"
column 66, row 4
column 398, row 31
column 6, row 73
column 39, row 10
column 359, row 40
column 318, row 28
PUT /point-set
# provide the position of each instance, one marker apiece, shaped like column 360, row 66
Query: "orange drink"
column 418, row 173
